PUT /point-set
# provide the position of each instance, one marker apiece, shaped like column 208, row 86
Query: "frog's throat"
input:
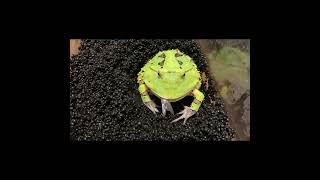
column 171, row 100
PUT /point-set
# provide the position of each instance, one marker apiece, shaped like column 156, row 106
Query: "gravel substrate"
column 105, row 104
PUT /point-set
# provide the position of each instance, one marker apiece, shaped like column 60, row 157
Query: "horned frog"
column 170, row 75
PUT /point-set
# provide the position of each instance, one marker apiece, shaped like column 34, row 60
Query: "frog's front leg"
column 190, row 111
column 146, row 98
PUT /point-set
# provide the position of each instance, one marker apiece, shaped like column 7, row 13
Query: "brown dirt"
column 74, row 46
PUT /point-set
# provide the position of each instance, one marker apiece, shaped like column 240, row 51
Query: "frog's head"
column 172, row 65
column 171, row 74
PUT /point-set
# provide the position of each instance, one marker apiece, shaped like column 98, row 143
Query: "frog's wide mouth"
column 170, row 71
column 170, row 99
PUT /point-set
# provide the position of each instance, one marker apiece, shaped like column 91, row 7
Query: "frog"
column 170, row 75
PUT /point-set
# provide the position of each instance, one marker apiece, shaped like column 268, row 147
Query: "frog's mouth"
column 169, row 71
column 171, row 100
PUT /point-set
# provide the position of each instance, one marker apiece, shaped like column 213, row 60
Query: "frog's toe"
column 186, row 113
column 166, row 106
column 152, row 106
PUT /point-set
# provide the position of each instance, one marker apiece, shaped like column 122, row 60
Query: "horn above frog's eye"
column 162, row 55
column 178, row 54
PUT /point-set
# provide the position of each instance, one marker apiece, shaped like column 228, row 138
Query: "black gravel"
column 105, row 103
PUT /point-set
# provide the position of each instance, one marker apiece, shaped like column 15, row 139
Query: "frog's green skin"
column 171, row 75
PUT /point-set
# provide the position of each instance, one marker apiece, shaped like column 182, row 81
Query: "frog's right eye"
column 161, row 63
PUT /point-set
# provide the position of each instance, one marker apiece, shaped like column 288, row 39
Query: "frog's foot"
column 152, row 106
column 166, row 106
column 186, row 113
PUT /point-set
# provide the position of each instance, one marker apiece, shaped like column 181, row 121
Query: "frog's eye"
column 161, row 63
